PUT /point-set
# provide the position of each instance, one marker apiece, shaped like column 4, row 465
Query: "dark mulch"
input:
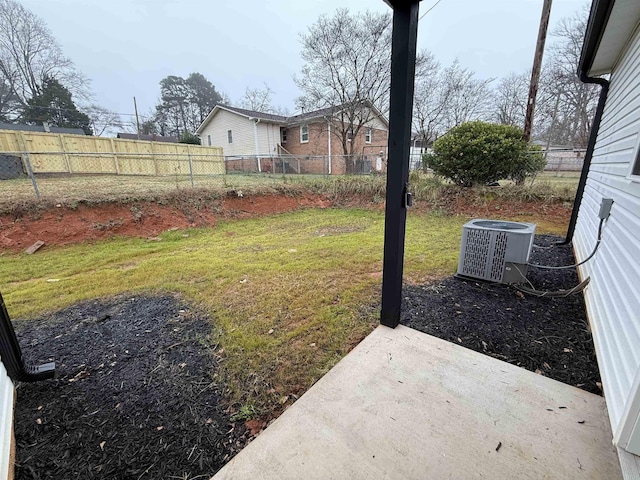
column 134, row 396
column 549, row 336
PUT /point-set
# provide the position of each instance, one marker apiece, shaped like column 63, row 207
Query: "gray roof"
column 148, row 138
column 40, row 128
column 252, row 113
column 323, row 112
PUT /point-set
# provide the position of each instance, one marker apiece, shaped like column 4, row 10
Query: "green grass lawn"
column 288, row 294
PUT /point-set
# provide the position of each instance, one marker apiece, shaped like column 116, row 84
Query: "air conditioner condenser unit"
column 495, row 250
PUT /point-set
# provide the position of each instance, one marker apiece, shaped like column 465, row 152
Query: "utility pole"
column 535, row 71
column 135, row 107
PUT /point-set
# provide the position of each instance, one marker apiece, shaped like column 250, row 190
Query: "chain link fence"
column 67, row 176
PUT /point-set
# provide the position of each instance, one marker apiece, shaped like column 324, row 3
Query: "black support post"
column 403, row 62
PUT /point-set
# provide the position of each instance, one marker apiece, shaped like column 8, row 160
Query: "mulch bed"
column 549, row 336
column 134, row 395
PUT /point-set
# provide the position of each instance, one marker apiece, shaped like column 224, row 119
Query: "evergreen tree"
column 55, row 106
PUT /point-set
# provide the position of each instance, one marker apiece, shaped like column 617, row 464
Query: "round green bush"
column 479, row 153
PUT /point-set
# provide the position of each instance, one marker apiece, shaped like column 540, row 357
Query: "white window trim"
column 301, row 134
column 368, row 135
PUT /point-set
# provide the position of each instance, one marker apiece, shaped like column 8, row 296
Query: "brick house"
column 263, row 142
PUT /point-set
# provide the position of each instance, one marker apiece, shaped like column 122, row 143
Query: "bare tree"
column 103, row 120
column 570, row 104
column 258, row 99
column 347, row 69
column 469, row 98
column 510, row 99
column 430, row 101
column 29, row 54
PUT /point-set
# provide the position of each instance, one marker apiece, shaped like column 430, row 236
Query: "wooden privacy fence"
column 78, row 154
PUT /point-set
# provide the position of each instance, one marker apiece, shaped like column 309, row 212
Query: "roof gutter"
column 598, row 18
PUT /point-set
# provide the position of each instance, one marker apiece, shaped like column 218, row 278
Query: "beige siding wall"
column 612, row 298
column 6, row 422
column 268, row 138
column 242, row 132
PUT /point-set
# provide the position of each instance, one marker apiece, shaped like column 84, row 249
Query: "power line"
column 431, row 8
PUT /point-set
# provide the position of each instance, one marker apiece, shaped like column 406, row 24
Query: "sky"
column 127, row 46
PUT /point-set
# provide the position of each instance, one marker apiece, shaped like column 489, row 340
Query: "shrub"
column 189, row 138
column 479, row 153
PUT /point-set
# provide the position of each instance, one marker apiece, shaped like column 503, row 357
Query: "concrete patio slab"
column 406, row 405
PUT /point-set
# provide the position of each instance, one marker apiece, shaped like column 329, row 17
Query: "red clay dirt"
column 88, row 223
column 64, row 226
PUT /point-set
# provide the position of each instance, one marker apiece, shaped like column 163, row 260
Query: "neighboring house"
column 242, row 132
column 300, row 139
column 41, row 128
column 612, row 47
column 148, row 138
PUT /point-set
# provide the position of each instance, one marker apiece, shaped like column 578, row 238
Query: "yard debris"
column 34, row 248
column 53, row 280
column 102, row 444
column 270, row 331
column 499, row 446
column 567, row 350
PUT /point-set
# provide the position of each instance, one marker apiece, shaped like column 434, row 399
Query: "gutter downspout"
column 12, row 358
column 329, row 142
column 255, row 135
column 589, row 153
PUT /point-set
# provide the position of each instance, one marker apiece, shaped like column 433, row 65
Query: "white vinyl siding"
column 6, row 420
column 242, row 131
column 268, row 138
column 243, row 134
column 612, row 298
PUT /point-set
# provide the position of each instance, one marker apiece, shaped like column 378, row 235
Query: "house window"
column 636, row 165
column 304, row 133
column 283, row 135
column 209, row 140
column 230, row 136
column 368, row 134
column 350, row 134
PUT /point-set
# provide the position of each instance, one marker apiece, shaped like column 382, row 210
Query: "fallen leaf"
column 270, row 331
column 546, row 365
column 284, row 399
column 208, row 421
column 182, row 365
column 484, row 344
column 459, row 339
column 567, row 350
column 244, row 280
column 159, row 428
column 40, row 407
column 292, row 250
column 520, row 294
column 312, row 344
column 39, row 421
column 102, row 444
column 538, row 371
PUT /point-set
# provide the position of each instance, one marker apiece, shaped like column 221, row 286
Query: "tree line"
column 346, row 64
